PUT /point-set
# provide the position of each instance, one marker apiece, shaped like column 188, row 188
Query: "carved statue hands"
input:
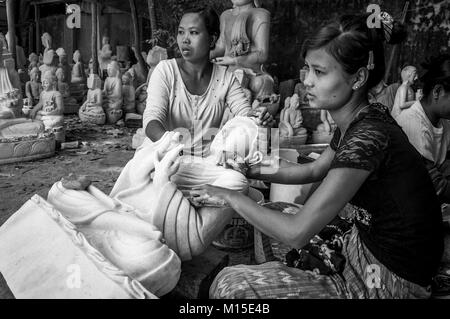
column 167, row 159
column 225, row 60
column 262, row 115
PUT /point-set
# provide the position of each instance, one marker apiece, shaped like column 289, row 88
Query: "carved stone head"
column 46, row 39
column 34, row 74
column 94, row 82
column 113, row 69
column 60, row 75
column 48, row 81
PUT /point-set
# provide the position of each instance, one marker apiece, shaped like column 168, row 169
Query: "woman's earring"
column 356, row 87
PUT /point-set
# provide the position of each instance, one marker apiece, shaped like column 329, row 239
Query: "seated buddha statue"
column 77, row 75
column 33, row 88
column 70, row 104
column 50, row 63
column 92, row 110
column 112, row 94
column 244, row 44
column 50, row 108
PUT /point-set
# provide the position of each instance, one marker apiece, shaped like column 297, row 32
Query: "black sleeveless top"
column 397, row 213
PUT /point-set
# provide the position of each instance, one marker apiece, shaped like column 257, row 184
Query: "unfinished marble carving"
column 58, row 257
column 131, row 244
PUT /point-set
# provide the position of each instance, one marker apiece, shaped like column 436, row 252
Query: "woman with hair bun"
column 425, row 123
column 395, row 245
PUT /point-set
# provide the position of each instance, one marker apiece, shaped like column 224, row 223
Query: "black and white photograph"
column 249, row 150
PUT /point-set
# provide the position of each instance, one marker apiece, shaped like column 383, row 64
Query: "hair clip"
column 388, row 25
column 371, row 64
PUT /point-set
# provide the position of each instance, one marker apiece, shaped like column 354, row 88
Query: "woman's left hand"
column 206, row 192
column 264, row 118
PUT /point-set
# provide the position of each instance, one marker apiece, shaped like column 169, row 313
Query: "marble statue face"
column 34, row 74
column 126, row 79
column 94, row 82
column 60, row 75
column 48, row 81
column 409, row 74
column 112, row 69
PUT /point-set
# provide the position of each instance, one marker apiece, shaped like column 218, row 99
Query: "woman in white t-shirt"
column 426, row 123
column 190, row 94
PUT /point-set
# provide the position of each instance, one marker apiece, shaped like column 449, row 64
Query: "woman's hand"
column 264, row 118
column 166, row 165
column 224, row 60
column 211, row 193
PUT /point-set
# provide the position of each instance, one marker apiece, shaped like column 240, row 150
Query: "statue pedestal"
column 26, row 148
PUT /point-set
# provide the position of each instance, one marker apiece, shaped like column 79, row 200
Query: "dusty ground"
column 102, row 153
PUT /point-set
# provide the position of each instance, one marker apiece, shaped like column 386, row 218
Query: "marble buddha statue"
column 50, row 108
column 50, row 62
column 64, row 64
column 112, row 94
column 70, row 104
column 78, row 78
column 47, row 41
column 188, row 224
column 325, row 130
column 104, row 56
column 92, row 110
column 77, row 75
column 13, row 125
column 291, row 121
column 244, row 45
column 33, row 60
column 33, row 88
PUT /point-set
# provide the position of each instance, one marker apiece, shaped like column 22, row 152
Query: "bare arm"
column 337, row 189
column 293, row 173
column 154, row 130
column 403, row 98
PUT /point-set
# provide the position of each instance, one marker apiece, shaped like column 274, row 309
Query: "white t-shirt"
column 431, row 142
column 170, row 103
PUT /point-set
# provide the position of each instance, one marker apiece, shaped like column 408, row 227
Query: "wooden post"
column 94, row 37
column 11, row 29
column 137, row 37
column 395, row 48
column 152, row 15
column 37, row 29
